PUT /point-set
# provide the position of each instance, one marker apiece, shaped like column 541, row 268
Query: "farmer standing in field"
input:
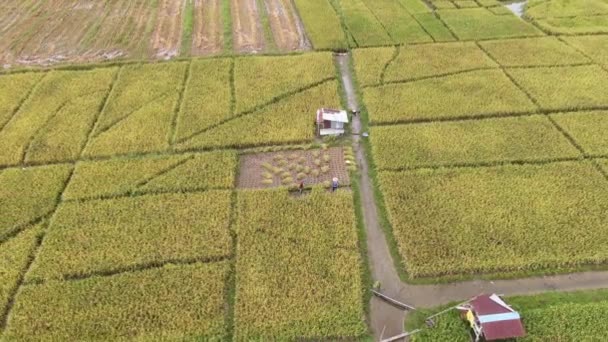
column 334, row 184
column 301, row 187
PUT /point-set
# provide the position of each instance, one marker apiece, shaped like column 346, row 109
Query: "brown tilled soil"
column 207, row 35
column 248, row 35
column 254, row 166
column 286, row 26
column 166, row 39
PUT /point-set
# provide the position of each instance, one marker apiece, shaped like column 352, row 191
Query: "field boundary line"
column 22, row 227
column 347, row 33
column 163, row 172
column 424, row 78
column 102, row 110
column 44, row 126
column 5, row 315
column 180, row 102
column 593, row 61
column 135, row 193
column 232, row 85
column 230, row 281
column 24, row 100
column 390, row 36
column 395, row 55
column 258, row 108
column 134, row 268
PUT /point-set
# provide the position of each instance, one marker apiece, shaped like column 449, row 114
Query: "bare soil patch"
column 288, row 168
column 207, row 36
column 248, row 34
column 167, row 35
column 286, row 26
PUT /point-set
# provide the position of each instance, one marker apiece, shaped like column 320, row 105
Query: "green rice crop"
column 468, row 142
column 594, row 46
column 552, row 316
column 444, row 4
column 434, row 27
column 362, row 24
column 285, row 121
column 13, row 90
column 259, row 80
column 416, row 61
column 525, row 218
column 127, row 233
column 139, row 114
column 564, row 88
column 575, row 25
column 14, row 256
column 169, row 303
column 477, row 93
column 207, row 97
column 298, row 272
column 322, row 24
column 540, row 51
column 58, row 94
column 565, row 8
column 415, row 6
column 479, row 23
column 369, row 64
column 588, row 130
column 29, row 194
column 399, row 24
column 466, row 3
column 489, row 3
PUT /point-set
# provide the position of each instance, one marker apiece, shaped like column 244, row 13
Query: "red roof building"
column 492, row 319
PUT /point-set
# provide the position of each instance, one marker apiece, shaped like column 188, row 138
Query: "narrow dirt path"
column 386, row 320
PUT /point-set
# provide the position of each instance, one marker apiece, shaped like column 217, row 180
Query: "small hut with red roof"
column 491, row 318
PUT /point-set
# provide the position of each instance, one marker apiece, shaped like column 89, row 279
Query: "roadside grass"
column 564, row 88
column 473, row 94
column 322, row 24
column 398, row 23
column 418, row 61
column 28, row 195
column 467, row 221
column 532, row 138
column 207, row 98
column 594, row 46
column 167, row 303
column 58, row 91
column 540, row 51
column 563, row 316
column 14, row 89
column 124, row 176
column 366, row 29
column 302, row 253
column 270, row 45
column 480, row 23
column 98, row 236
column 588, row 129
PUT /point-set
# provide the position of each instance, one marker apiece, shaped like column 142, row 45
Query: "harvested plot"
column 287, row 29
column 208, row 35
column 564, row 88
column 29, row 195
column 480, row 23
column 469, row 142
column 14, row 256
column 569, row 17
column 588, row 129
column 596, row 46
column 298, row 271
column 288, row 120
column 14, row 89
column 322, row 24
column 552, row 316
column 473, row 94
column 178, row 173
column 53, row 123
column 166, row 38
column 97, row 237
column 504, row 219
column 139, row 114
column 207, row 98
column 168, row 303
column 541, row 51
column 289, row 168
column 247, row 31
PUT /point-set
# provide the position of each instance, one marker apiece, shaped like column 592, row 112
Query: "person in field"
column 301, row 187
column 334, row 184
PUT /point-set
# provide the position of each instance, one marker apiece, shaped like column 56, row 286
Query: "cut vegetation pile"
column 499, row 169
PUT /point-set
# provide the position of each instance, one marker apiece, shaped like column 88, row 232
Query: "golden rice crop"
column 480, row 23
column 322, row 24
column 397, row 21
column 499, row 219
column 29, row 194
column 126, row 233
column 13, row 90
column 169, row 303
column 471, row 141
column 595, row 46
column 56, row 91
column 258, row 80
column 298, row 267
column 369, row 64
column 588, row 129
column 207, row 97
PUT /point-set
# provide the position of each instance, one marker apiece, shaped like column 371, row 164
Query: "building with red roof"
column 492, row 319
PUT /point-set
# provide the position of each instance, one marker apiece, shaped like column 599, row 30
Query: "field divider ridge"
column 20, row 228
column 136, row 193
column 230, row 281
column 25, row 99
column 396, row 52
column 179, row 104
column 163, row 172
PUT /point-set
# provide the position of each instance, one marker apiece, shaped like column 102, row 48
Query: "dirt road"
column 386, row 320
